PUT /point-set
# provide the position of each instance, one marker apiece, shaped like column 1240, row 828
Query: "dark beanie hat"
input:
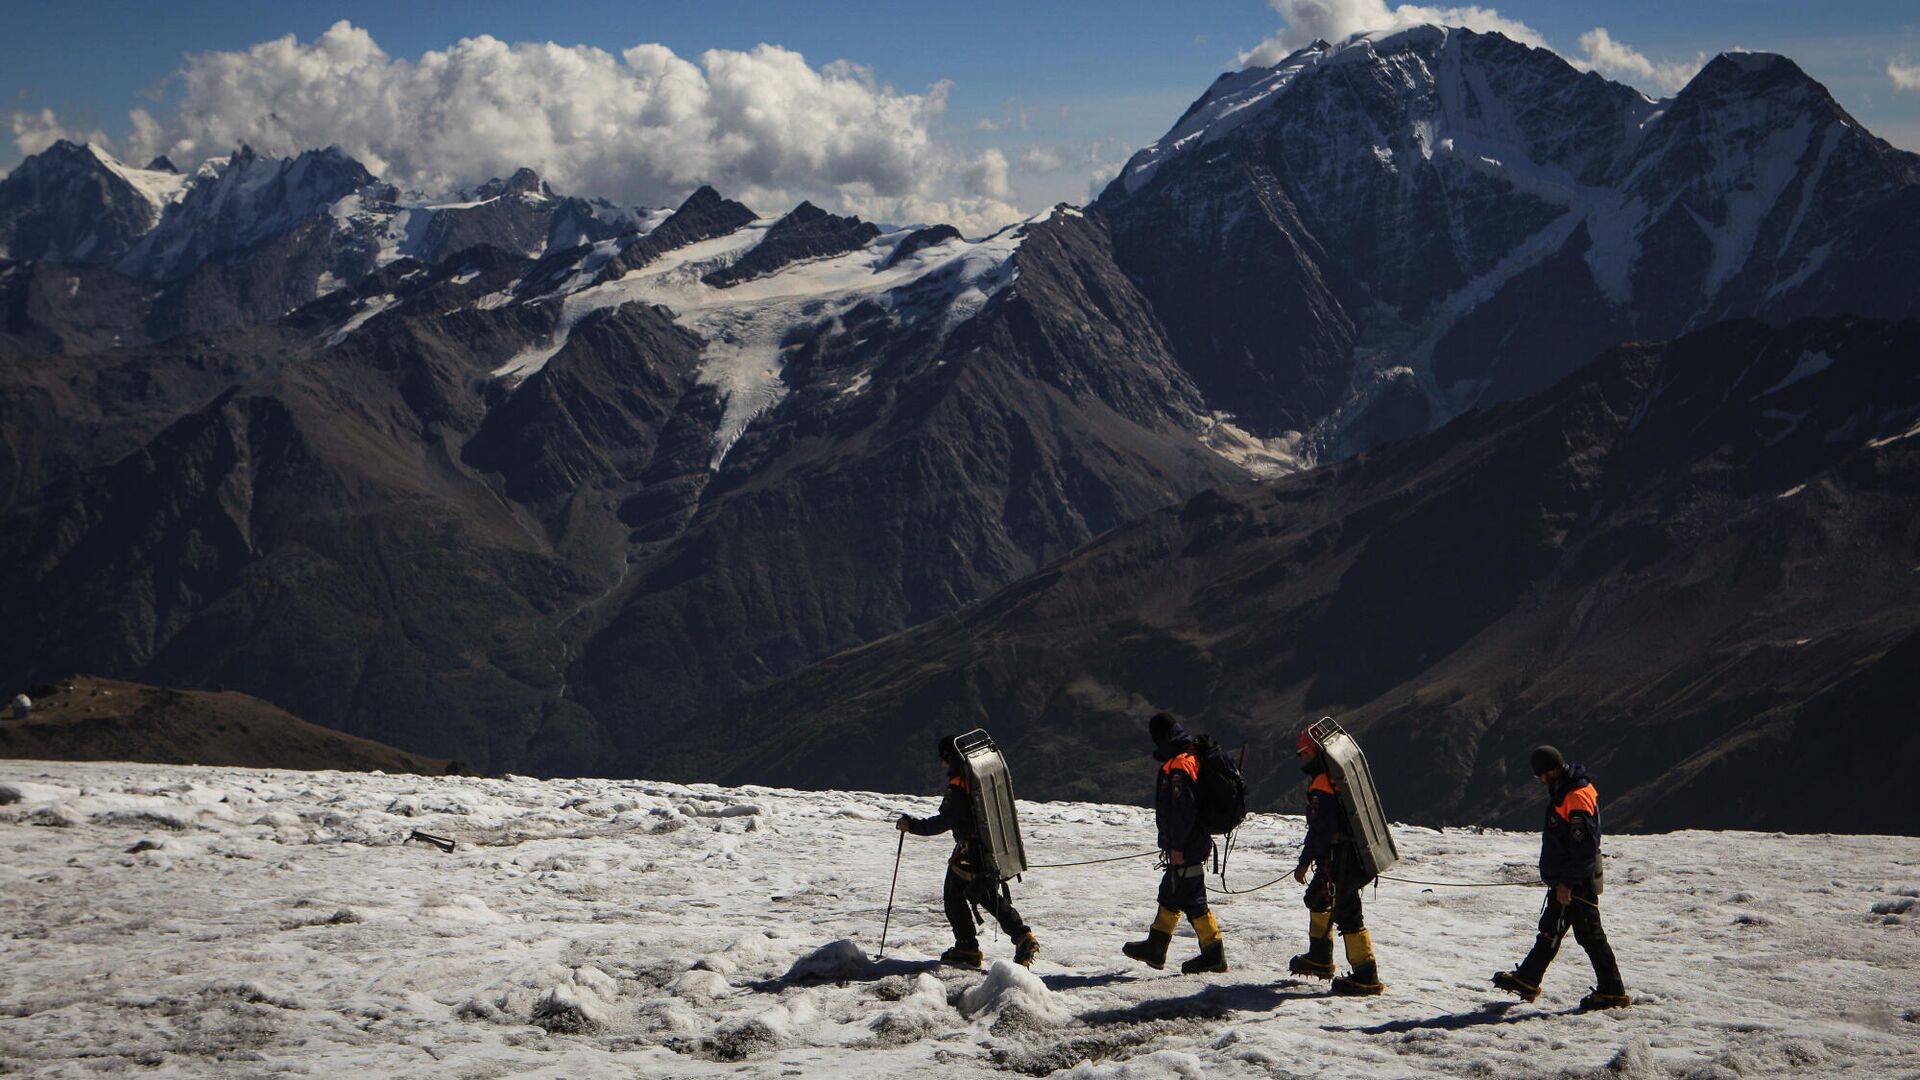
column 949, row 748
column 1546, row 759
column 1160, row 726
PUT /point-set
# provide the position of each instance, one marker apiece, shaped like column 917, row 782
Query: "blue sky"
column 1062, row 92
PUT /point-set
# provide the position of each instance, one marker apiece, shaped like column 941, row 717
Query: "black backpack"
column 1222, row 790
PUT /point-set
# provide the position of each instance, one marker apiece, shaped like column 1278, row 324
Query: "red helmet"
column 1305, row 742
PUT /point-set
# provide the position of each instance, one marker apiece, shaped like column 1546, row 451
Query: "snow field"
column 189, row 921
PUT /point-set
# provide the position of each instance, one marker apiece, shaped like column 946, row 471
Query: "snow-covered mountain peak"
column 160, row 187
column 524, row 182
column 1758, row 77
column 74, row 202
column 1421, row 36
column 1449, row 74
column 1756, row 62
column 1413, row 184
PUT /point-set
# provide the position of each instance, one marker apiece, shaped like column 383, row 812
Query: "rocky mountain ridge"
column 546, row 485
column 512, row 479
column 1692, row 566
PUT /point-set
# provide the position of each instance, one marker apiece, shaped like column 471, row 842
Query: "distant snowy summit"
column 1368, row 237
column 77, row 203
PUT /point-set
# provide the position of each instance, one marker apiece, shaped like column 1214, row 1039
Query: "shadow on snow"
column 1498, row 1012
column 1208, row 1003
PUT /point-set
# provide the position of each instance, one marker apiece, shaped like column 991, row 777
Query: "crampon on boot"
column 1025, row 950
column 1308, row 964
column 1513, row 983
column 1317, row 961
column 1364, row 979
column 962, row 956
column 1213, row 951
column 1152, row 950
column 1357, row 983
column 1599, row 999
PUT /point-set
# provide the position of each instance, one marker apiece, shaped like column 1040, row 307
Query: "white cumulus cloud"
column 1333, row 20
column 1621, row 61
column 1336, row 20
column 35, row 131
column 646, row 125
column 986, row 175
column 1904, row 76
column 1041, row 159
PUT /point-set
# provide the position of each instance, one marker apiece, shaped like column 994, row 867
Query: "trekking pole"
column 897, row 852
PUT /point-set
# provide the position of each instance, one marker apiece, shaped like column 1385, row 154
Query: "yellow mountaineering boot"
column 1213, row 952
column 1317, row 961
column 1364, row 979
column 1153, row 950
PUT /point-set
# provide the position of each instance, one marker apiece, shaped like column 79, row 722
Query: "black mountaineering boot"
column 963, row 955
column 1152, row 951
column 1512, row 982
column 1317, row 961
column 1364, row 979
column 1213, row 951
column 1601, row 999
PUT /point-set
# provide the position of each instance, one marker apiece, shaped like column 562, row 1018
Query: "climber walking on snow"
column 1185, row 843
column 1570, row 865
column 1333, row 896
column 970, row 884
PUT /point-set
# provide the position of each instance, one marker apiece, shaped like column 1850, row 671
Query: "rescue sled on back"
column 1347, row 766
column 999, row 848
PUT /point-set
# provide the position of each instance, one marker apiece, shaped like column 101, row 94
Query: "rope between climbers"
column 1465, row 884
column 1483, row 885
column 1090, row 862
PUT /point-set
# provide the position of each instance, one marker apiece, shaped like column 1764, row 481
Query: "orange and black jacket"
column 956, row 813
column 1570, row 844
column 1326, row 822
column 1176, row 798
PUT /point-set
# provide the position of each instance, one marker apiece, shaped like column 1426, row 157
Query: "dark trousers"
column 1326, row 894
column 1582, row 915
column 1184, row 889
column 961, row 893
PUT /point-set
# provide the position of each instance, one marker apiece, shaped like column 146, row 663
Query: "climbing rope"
column 1090, row 862
column 1224, row 891
column 1484, row 885
column 1465, row 884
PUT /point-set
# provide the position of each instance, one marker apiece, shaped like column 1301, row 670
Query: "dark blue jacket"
column 1326, row 821
column 1176, row 798
column 1570, row 843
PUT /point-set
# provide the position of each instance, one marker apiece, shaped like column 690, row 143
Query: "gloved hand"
column 1300, row 872
column 904, row 823
column 1563, row 895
